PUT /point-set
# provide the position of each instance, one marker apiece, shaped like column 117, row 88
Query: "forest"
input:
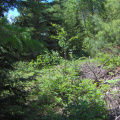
column 60, row 60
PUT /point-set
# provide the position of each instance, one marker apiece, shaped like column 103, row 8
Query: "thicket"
column 62, row 94
column 39, row 77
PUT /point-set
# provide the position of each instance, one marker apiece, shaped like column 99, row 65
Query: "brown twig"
column 96, row 78
column 104, row 64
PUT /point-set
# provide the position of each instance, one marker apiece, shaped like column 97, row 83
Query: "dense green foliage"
column 39, row 73
column 62, row 92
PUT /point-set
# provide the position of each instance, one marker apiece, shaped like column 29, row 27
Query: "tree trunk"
column 83, row 16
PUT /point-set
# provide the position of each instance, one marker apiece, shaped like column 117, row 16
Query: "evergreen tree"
column 37, row 14
column 106, row 29
column 14, row 41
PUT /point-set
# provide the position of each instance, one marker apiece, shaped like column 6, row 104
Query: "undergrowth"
column 114, row 60
column 59, row 92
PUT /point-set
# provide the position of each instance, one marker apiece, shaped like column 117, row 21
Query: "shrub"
column 46, row 60
column 85, row 102
column 112, row 63
column 81, row 100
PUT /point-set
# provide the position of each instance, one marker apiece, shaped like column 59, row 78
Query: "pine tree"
column 13, row 40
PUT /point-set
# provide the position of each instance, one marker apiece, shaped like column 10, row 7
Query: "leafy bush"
column 85, row 102
column 66, row 92
column 112, row 63
column 84, row 110
column 81, row 100
column 46, row 60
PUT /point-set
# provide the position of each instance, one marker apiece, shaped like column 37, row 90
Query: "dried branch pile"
column 112, row 96
column 93, row 71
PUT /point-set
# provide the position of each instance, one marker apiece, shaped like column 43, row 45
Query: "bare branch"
column 104, row 64
column 96, row 78
column 117, row 118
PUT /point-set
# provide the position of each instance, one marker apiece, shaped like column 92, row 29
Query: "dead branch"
column 96, row 78
column 104, row 64
column 117, row 118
